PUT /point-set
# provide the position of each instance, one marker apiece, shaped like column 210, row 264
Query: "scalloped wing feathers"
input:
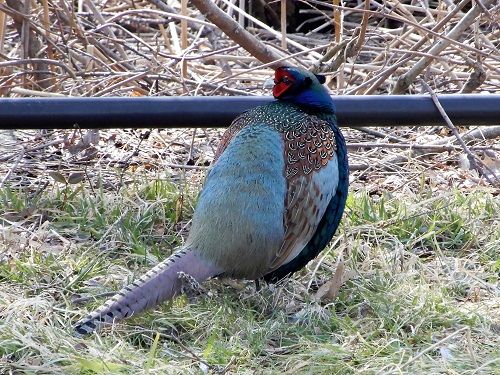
column 310, row 172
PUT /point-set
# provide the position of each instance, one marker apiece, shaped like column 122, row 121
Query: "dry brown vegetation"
column 82, row 212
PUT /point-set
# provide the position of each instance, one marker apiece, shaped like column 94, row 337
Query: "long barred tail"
column 157, row 285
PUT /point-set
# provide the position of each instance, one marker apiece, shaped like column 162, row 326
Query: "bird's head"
column 302, row 87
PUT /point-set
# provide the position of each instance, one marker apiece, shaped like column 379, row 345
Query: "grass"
column 422, row 294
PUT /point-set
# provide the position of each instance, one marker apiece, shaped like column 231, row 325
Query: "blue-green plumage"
column 272, row 200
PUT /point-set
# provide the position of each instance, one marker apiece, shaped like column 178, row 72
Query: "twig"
column 274, row 63
column 36, row 148
column 38, row 61
column 485, row 10
column 121, row 83
column 191, row 146
column 359, row 166
column 364, row 25
column 233, row 30
column 283, row 24
column 430, row 348
column 475, row 162
column 241, row 17
column 183, row 166
column 100, row 19
column 377, row 81
column 436, row 148
column 3, row 30
column 31, row 44
column 480, row 133
column 407, row 79
column 7, row 175
column 490, row 132
column 184, row 38
column 22, row 91
column 379, row 134
column 429, row 31
column 275, row 33
column 476, row 78
column 168, row 13
column 194, row 24
column 46, row 25
column 335, row 48
column 192, row 355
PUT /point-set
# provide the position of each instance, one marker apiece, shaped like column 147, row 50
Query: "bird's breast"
column 238, row 222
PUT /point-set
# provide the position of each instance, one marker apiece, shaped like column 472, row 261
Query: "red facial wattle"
column 280, row 88
column 283, row 82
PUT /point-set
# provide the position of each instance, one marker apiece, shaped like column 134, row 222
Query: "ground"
column 420, row 281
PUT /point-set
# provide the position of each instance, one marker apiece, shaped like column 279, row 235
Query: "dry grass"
column 82, row 213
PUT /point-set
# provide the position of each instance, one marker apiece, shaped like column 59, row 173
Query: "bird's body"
column 270, row 203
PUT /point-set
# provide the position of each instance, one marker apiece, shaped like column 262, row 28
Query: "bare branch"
column 474, row 161
column 407, row 79
column 233, row 30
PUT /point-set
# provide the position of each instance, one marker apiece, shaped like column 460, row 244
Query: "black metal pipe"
column 219, row 111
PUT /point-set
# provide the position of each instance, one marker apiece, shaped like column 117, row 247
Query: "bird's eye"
column 283, row 79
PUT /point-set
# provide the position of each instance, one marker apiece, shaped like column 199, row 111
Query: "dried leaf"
column 58, row 177
column 493, row 164
column 328, row 291
column 91, row 137
column 76, row 177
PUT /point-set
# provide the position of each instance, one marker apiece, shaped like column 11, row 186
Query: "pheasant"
column 271, row 201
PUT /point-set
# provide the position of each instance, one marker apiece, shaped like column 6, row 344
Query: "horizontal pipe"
column 219, row 111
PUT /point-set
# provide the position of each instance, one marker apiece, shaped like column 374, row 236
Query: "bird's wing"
column 311, row 172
